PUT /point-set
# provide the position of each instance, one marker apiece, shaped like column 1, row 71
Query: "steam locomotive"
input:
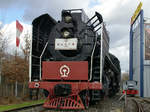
column 70, row 60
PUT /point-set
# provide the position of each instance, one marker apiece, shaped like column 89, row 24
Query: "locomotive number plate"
column 66, row 44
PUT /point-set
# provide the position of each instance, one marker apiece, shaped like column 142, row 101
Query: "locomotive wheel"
column 85, row 96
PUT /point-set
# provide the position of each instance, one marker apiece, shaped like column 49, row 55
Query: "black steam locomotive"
column 70, row 60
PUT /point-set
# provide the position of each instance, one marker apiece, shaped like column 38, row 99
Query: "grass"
column 14, row 106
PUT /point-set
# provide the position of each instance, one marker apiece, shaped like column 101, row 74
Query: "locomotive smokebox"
column 70, row 38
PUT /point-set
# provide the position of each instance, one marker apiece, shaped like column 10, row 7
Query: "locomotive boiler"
column 70, row 60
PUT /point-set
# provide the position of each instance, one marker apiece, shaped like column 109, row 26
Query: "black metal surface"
column 62, row 90
column 86, row 38
column 41, row 28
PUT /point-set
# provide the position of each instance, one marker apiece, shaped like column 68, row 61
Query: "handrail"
column 41, row 58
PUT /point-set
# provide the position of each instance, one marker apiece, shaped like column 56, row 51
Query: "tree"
column 26, row 48
column 3, row 45
column 17, row 67
column 125, row 76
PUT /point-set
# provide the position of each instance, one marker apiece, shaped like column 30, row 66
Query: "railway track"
column 139, row 106
column 31, row 108
column 136, row 104
column 105, row 105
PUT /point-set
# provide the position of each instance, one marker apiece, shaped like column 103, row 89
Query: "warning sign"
column 136, row 13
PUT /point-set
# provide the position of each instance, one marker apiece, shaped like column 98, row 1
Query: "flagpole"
column 19, row 29
column 16, row 62
column 16, row 71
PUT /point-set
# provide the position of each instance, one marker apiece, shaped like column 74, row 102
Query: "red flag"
column 19, row 29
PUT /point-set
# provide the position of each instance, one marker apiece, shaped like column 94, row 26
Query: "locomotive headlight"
column 68, row 19
column 66, row 33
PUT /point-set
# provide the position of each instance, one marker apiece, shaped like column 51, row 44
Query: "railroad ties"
column 137, row 104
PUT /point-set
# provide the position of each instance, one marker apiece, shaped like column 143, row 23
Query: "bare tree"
column 26, row 48
column 17, row 67
column 125, row 76
column 3, row 41
column 3, row 46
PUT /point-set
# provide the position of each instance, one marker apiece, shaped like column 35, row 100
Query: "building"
column 140, row 52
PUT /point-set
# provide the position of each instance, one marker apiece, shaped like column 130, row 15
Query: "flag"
column 19, row 29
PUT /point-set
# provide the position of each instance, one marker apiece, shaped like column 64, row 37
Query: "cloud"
column 117, row 33
column 122, row 53
column 9, row 33
column 6, row 3
column 9, row 4
column 1, row 24
column 54, row 8
column 116, row 14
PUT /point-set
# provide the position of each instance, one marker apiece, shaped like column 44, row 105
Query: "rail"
column 138, row 104
column 26, row 108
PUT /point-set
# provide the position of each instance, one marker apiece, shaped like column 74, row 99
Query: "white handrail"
column 91, row 68
column 101, row 56
column 41, row 58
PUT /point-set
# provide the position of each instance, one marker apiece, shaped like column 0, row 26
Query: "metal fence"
column 13, row 89
column 19, row 90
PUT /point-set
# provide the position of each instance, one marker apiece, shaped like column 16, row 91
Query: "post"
column 131, row 55
column 141, row 54
column 125, row 98
column 0, row 70
column 0, row 79
column 16, row 83
column 1, row 59
column 16, row 89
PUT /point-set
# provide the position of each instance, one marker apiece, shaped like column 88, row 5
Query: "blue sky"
column 11, row 15
column 93, row 3
column 13, row 12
